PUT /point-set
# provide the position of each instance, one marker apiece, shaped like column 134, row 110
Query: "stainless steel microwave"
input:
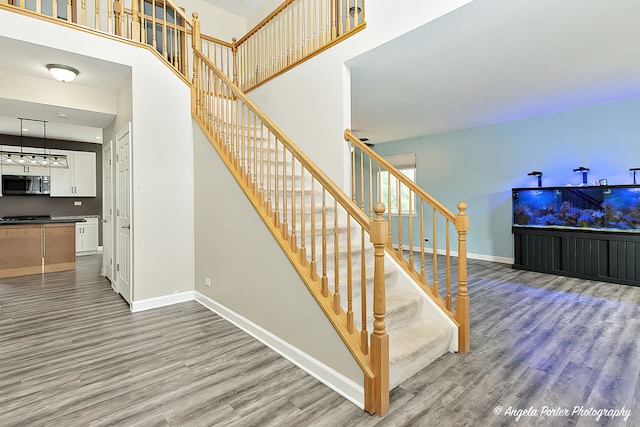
column 26, row 185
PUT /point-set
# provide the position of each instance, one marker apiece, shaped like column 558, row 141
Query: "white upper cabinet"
column 79, row 180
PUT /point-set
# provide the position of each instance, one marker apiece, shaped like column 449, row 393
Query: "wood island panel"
column 20, row 250
column 60, row 247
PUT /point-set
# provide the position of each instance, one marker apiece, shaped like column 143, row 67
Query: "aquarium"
column 614, row 208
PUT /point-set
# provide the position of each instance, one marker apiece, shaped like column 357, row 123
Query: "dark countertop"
column 43, row 221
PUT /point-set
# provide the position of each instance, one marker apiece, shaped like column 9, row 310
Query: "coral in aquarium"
column 607, row 208
column 521, row 215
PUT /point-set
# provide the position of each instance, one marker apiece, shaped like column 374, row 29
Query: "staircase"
column 419, row 332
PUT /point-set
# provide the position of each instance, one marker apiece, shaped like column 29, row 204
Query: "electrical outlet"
column 77, row 203
column 207, row 282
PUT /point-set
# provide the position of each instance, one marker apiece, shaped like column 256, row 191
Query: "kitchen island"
column 35, row 246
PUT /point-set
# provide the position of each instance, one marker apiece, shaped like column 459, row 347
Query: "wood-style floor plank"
column 71, row 354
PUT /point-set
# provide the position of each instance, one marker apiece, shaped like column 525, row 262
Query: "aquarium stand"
column 595, row 255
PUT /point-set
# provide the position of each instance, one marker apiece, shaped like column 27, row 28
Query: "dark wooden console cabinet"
column 603, row 256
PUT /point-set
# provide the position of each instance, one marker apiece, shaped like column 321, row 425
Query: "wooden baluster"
column 325, row 279
column 154, row 40
column 399, row 207
column 422, row 266
column 314, row 267
column 255, row 157
column 39, row 6
column 462, row 300
column 243, row 143
column 370, row 187
column 353, row 173
column 336, row 260
column 135, row 21
column 390, row 225
column 196, row 44
column 69, row 11
column 117, row 15
column 262, row 165
column 435, row 253
column 448, row 265
column 277, row 194
column 97, row 13
column 349, row 278
column 303, row 230
column 83, row 13
column 410, row 217
column 285, row 223
column 362, row 181
column 294, row 243
column 379, row 337
column 234, row 50
column 364, row 333
column 315, row 25
column 54, row 7
column 163, row 26
column 269, row 202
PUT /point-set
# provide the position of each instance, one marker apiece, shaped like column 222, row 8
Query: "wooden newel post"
column 379, row 340
column 197, row 47
column 462, row 300
column 234, row 49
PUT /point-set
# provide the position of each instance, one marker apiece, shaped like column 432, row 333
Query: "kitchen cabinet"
column 36, row 248
column 87, row 236
column 23, row 166
column 79, row 180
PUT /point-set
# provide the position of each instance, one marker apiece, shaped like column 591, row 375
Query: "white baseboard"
column 470, row 255
column 148, row 304
column 323, row 373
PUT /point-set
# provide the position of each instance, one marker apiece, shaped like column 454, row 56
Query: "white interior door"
column 124, row 242
column 107, row 213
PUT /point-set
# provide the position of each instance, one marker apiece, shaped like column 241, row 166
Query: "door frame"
column 122, row 133
column 108, row 253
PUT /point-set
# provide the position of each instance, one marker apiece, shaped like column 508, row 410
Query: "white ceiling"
column 493, row 61
column 243, row 8
column 487, row 62
column 28, row 59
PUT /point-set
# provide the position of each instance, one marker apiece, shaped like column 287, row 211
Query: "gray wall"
column 54, row 206
column 481, row 165
column 249, row 272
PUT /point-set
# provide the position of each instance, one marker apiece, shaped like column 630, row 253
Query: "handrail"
column 361, row 183
column 311, row 218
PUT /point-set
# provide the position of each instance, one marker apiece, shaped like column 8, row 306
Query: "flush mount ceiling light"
column 62, row 73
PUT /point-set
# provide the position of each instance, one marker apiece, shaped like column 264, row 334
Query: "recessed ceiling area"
column 492, row 61
column 27, row 62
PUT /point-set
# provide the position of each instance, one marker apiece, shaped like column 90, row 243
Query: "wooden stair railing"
column 368, row 168
column 303, row 209
column 160, row 24
column 294, row 32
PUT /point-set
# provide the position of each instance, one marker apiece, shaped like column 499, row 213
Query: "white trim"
column 479, row 257
column 334, row 380
column 148, row 304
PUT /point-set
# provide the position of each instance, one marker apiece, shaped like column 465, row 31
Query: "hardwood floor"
column 72, row 354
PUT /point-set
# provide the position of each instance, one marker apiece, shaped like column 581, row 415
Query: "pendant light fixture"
column 26, row 159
